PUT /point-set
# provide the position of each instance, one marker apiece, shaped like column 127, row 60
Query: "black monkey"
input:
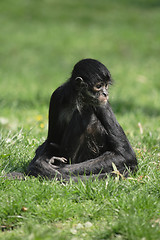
column 84, row 137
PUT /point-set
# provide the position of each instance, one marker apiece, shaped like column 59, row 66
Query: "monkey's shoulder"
column 63, row 95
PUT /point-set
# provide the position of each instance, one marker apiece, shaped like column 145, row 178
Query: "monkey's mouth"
column 103, row 99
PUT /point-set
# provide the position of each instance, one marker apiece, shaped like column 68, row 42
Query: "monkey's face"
column 100, row 93
column 92, row 93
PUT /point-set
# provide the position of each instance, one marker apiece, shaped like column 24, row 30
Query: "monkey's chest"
column 84, row 138
column 91, row 143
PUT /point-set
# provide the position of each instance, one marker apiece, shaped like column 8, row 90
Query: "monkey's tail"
column 14, row 175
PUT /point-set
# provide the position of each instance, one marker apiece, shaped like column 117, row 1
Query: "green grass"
column 40, row 42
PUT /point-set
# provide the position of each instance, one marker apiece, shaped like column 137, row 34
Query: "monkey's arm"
column 116, row 136
column 120, row 153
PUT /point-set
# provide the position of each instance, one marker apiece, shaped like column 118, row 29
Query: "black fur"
column 83, row 131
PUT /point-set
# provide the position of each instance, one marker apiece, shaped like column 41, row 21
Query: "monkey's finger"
column 61, row 159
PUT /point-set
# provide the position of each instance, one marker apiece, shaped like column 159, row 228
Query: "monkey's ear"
column 79, row 82
column 79, row 79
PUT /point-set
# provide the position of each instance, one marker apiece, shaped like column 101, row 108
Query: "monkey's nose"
column 104, row 94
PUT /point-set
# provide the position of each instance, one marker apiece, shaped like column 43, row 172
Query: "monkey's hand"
column 57, row 160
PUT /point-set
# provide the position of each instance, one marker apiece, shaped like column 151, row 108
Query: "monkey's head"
column 91, row 79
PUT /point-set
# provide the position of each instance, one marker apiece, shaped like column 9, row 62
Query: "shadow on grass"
column 121, row 107
column 143, row 3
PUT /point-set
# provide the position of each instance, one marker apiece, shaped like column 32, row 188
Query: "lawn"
column 40, row 41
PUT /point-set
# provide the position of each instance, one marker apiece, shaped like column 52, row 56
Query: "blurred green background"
column 41, row 40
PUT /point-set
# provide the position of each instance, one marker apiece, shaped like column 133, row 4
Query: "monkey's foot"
column 57, row 160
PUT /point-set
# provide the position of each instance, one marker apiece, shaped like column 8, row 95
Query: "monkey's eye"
column 98, row 86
